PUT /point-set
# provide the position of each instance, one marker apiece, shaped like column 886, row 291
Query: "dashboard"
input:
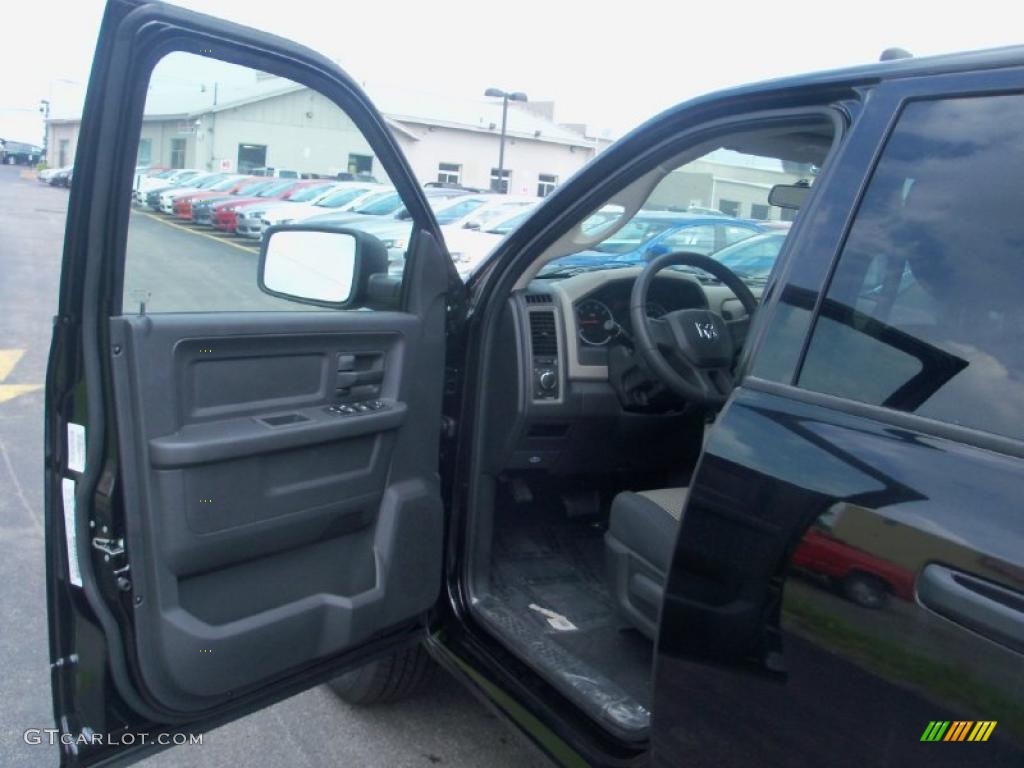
column 603, row 315
column 555, row 343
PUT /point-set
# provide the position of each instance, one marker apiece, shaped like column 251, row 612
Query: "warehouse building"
column 731, row 182
column 284, row 126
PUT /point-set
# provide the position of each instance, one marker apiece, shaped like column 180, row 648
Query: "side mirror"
column 471, row 225
column 790, row 196
column 656, row 250
column 319, row 265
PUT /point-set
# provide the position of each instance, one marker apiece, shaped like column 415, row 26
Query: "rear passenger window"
column 924, row 313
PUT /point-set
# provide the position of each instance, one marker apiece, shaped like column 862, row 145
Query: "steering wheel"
column 690, row 350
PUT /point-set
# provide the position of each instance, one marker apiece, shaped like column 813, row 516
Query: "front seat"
column 638, row 549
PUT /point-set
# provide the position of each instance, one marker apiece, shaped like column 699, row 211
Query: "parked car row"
column 246, row 205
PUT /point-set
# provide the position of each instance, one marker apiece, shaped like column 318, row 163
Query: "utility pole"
column 505, row 97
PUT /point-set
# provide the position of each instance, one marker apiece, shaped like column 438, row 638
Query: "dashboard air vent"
column 538, row 298
column 542, row 334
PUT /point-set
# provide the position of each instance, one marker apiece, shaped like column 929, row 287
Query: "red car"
column 866, row 580
column 202, row 208
column 229, row 186
column 224, row 216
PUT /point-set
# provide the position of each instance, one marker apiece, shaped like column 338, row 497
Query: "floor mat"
column 549, row 597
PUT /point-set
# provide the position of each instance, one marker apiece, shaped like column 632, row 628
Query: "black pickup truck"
column 702, row 511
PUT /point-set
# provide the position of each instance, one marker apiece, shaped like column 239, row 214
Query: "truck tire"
column 866, row 590
column 386, row 680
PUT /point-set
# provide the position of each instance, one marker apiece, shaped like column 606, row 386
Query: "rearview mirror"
column 320, row 266
column 789, row 196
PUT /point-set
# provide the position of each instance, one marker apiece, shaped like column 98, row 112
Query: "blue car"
column 752, row 259
column 652, row 233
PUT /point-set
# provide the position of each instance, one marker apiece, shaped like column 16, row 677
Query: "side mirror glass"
column 789, row 196
column 319, row 266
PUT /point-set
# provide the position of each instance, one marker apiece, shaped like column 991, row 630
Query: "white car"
column 45, row 175
column 210, row 181
column 145, row 182
column 462, row 212
column 342, row 196
column 469, row 246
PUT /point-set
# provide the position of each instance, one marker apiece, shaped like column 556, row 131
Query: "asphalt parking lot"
column 445, row 726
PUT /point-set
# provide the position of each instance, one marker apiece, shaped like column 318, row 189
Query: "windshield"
column 253, row 187
column 455, row 211
column 307, row 193
column 338, row 199
column 708, row 199
column 276, row 188
column 209, row 181
column 506, row 226
column 224, row 185
column 388, row 202
column 485, row 217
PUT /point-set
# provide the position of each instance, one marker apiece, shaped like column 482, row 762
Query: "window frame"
column 827, row 306
column 328, row 81
column 855, row 164
column 504, row 180
column 355, row 158
column 177, row 140
column 546, row 183
column 730, row 207
column 452, row 174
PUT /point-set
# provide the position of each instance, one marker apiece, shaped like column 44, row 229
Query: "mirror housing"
column 789, row 196
column 319, row 265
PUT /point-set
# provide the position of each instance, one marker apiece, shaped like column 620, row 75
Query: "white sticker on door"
column 68, row 493
column 76, row 447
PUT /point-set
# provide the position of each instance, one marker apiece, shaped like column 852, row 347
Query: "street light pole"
column 502, row 187
column 44, row 110
column 505, row 97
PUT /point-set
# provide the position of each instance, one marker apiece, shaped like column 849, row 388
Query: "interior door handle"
column 348, row 379
column 989, row 609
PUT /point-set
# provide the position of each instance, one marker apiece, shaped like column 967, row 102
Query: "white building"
column 282, row 125
column 731, row 182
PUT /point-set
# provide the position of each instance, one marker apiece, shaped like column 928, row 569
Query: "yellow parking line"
column 8, row 359
column 239, row 246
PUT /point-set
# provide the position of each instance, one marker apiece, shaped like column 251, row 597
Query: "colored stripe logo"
column 958, row 730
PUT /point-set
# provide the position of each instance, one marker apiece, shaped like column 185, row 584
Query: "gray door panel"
column 265, row 530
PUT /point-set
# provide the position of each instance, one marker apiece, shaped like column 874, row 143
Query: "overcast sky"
column 607, row 64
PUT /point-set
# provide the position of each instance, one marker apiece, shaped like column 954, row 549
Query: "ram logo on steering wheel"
column 706, row 331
